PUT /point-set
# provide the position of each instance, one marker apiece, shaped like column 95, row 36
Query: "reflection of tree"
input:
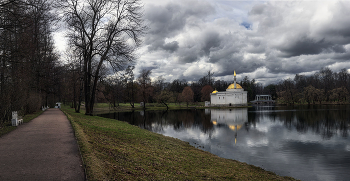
column 207, row 125
column 326, row 121
column 156, row 120
column 187, row 118
column 158, row 127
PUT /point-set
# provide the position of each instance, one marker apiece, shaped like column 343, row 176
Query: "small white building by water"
column 58, row 105
column 233, row 96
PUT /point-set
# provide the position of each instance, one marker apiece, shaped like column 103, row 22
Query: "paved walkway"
column 43, row 149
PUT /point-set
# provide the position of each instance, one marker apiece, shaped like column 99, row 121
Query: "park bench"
column 16, row 120
column 44, row 108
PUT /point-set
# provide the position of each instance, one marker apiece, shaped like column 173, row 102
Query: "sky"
column 265, row 40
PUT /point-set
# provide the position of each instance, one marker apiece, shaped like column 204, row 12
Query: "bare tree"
column 310, row 94
column 159, row 84
column 206, row 90
column 114, row 89
column 187, row 95
column 339, row 94
column 130, row 86
column 163, row 97
column 102, row 30
column 145, row 85
column 287, row 91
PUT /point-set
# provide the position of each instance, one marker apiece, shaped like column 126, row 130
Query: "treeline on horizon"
column 324, row 86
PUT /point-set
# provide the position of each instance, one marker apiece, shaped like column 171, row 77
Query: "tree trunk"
column 167, row 108
column 132, row 103
column 74, row 96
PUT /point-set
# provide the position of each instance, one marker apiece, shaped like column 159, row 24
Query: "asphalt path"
column 43, row 149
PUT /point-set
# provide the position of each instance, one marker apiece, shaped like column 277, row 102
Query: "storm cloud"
column 266, row 41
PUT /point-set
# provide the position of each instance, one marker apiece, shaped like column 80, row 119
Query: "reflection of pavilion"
column 232, row 118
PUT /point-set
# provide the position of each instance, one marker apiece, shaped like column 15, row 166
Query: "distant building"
column 260, row 99
column 58, row 105
column 233, row 96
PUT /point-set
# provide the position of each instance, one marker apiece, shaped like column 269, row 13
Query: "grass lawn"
column 116, row 150
column 8, row 126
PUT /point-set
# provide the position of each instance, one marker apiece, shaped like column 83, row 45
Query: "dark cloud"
column 171, row 47
column 258, row 9
column 156, row 45
column 188, row 57
column 210, row 40
column 338, row 49
column 303, row 46
column 169, row 20
column 308, row 46
column 164, row 21
column 161, row 45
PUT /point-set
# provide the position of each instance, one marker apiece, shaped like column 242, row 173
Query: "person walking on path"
column 43, row 149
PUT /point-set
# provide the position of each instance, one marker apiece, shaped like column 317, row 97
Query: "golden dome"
column 232, row 86
column 215, row 91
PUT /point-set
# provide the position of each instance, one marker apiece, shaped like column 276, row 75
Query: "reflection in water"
column 234, row 119
column 305, row 142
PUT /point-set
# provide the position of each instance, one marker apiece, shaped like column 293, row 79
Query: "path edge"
column 77, row 140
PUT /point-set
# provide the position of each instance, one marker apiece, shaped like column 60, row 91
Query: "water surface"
column 304, row 142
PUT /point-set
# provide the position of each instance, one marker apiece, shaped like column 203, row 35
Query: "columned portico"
column 263, row 98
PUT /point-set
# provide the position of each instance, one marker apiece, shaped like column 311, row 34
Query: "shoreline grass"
column 27, row 118
column 116, row 150
column 101, row 108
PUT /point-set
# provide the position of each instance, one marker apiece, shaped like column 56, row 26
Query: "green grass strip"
column 116, row 150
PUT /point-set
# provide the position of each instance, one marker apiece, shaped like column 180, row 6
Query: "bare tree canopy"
column 30, row 74
column 104, row 32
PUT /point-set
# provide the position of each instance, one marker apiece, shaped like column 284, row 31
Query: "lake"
column 304, row 142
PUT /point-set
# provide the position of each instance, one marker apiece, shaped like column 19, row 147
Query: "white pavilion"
column 233, row 96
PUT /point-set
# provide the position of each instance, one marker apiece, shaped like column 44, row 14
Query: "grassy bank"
column 115, row 150
column 7, row 127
